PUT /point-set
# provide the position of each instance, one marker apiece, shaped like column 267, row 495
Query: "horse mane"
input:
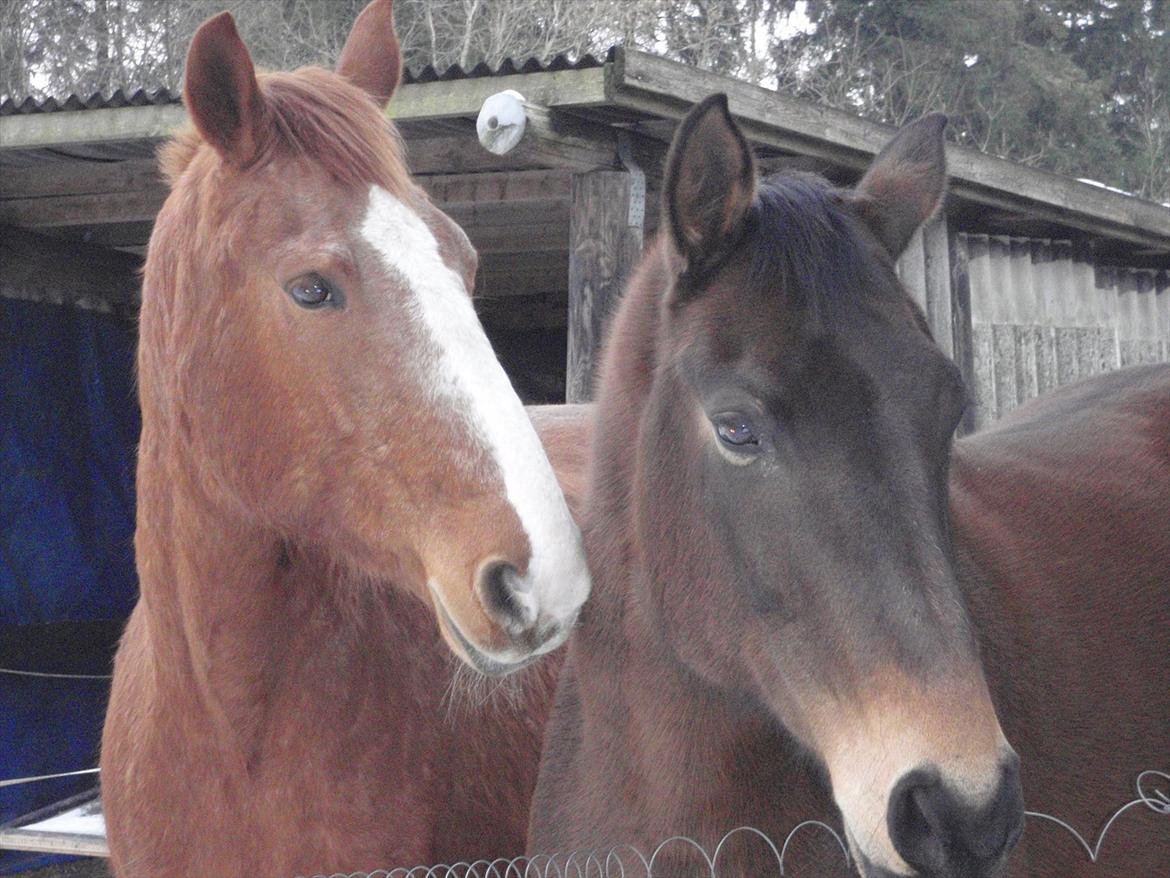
column 808, row 243
column 318, row 114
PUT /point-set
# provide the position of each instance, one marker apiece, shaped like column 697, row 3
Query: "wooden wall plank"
column 514, row 187
column 1028, row 336
column 979, row 269
column 1044, row 285
column 81, row 178
column 1162, row 313
column 982, row 384
column 937, row 277
column 960, row 286
column 911, row 269
column 71, row 210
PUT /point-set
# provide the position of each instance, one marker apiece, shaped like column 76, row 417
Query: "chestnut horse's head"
column 793, row 454
column 310, row 350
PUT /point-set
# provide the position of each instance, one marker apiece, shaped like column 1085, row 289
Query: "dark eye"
column 312, row 291
column 737, row 432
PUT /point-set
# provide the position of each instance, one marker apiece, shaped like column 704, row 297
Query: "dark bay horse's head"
column 310, row 356
column 792, row 505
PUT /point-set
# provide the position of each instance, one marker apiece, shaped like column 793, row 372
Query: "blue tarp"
column 68, row 429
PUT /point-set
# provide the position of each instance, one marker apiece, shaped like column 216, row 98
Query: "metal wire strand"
column 12, row 672
column 610, row 863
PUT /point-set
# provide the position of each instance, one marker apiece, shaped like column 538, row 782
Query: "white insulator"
column 501, row 122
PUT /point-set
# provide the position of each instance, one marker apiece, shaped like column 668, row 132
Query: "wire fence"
column 1152, row 789
column 627, row 861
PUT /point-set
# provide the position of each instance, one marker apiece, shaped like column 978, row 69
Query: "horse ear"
column 905, row 184
column 710, row 182
column 221, row 92
column 371, row 58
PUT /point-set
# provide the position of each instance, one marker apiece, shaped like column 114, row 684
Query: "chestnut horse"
column 333, row 469
column 780, row 619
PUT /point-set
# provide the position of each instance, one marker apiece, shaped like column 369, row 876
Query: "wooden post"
column 605, row 242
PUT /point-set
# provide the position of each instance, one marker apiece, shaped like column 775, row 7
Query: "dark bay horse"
column 782, row 621
column 333, row 469
column 1061, row 520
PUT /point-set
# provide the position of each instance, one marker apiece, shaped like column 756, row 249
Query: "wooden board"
column 75, row 826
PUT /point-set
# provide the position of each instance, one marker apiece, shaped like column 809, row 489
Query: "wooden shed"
column 1029, row 279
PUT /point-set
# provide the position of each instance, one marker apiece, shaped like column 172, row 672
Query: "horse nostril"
column 506, row 596
column 939, row 834
column 914, row 824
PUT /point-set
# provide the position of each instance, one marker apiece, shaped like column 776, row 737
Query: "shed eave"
column 650, row 84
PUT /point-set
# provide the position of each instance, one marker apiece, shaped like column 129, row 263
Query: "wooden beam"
column 89, row 126
column 503, row 214
column 463, row 97
column 603, row 248
column 564, row 142
column 36, row 268
column 552, row 140
column 432, row 100
column 73, row 210
column 462, row 154
column 527, row 132
column 82, row 193
column 654, row 85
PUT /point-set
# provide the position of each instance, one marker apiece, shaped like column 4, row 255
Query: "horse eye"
column 312, row 291
column 737, row 432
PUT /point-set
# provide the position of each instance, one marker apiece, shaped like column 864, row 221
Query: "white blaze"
column 470, row 378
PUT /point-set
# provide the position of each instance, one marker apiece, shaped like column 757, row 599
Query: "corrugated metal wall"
column 1026, row 315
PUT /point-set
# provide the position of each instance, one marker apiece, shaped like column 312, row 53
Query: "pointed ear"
column 710, row 182
column 221, row 92
column 371, row 58
column 905, row 184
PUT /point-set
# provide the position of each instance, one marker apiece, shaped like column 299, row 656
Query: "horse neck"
column 620, row 641
column 223, row 614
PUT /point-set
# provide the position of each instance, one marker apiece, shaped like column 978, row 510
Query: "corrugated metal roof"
column 125, row 97
column 97, row 101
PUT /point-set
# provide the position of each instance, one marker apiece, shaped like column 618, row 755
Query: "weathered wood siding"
column 1035, row 314
column 925, row 272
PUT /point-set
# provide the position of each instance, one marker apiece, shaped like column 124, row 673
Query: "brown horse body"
column 1058, row 517
column 1059, row 512
column 337, row 489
